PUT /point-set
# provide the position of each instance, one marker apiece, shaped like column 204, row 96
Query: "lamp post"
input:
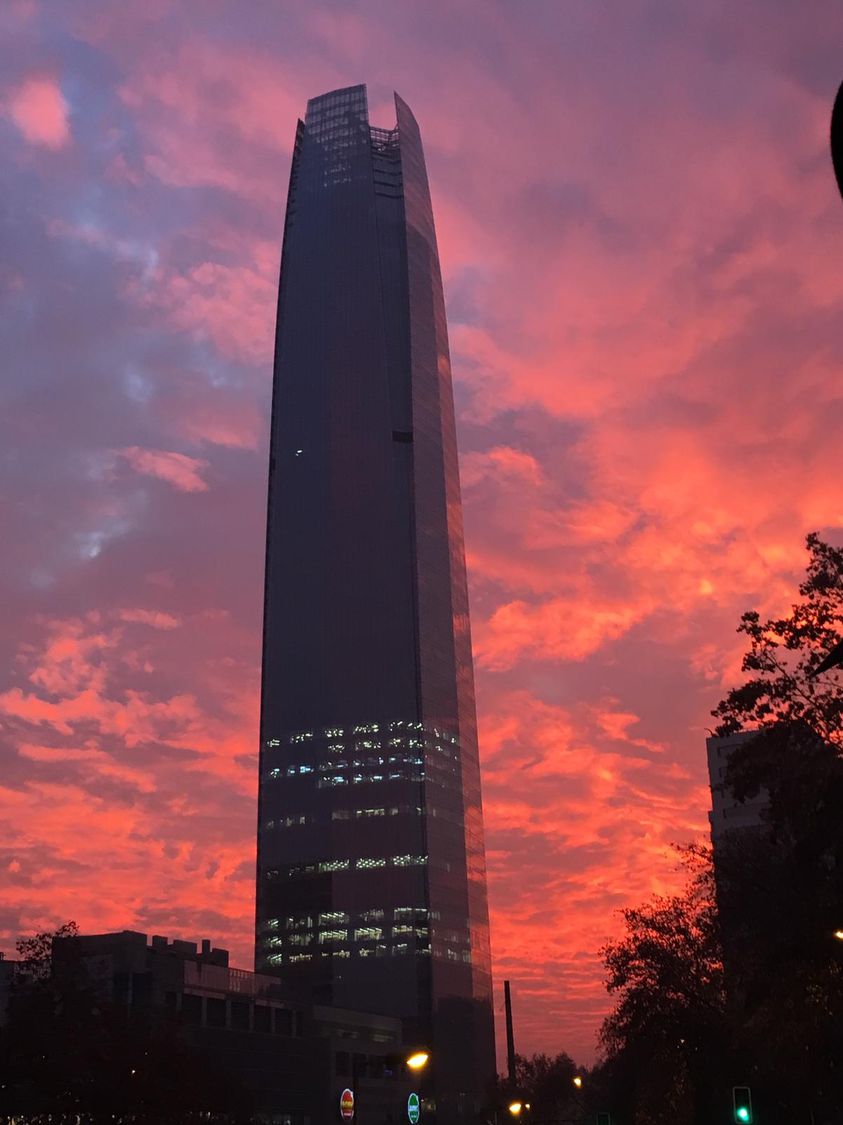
column 416, row 1062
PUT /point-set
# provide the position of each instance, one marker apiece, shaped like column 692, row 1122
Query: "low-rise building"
column 293, row 1057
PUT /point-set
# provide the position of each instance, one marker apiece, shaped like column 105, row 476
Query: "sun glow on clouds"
column 645, row 307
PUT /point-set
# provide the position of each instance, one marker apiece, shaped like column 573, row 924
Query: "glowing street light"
column 418, row 1060
column 577, row 1080
column 839, row 935
column 515, row 1108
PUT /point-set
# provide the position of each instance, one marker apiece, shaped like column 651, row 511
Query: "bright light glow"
column 577, row 1081
column 417, row 1060
column 515, row 1108
column 839, row 935
column 742, row 1113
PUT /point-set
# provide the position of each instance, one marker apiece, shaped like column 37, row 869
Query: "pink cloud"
column 154, row 618
column 504, row 462
column 177, row 469
column 39, row 110
column 230, row 305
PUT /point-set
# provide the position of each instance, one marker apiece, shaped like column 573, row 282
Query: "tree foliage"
column 35, row 952
column 667, row 1032
column 739, row 979
column 783, row 654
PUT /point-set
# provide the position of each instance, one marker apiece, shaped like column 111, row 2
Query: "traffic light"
column 742, row 1105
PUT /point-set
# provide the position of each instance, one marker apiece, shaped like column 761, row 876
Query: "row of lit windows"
column 393, row 810
column 400, row 914
column 297, row 819
column 363, row 864
column 336, row 755
column 329, row 780
column 399, row 949
column 362, row 728
column 361, row 933
column 359, row 763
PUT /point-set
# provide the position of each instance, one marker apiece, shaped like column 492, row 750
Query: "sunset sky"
column 642, row 245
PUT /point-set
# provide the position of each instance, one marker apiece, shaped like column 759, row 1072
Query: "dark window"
column 342, row 1063
column 215, row 1012
column 240, row 1014
column 191, row 1008
column 142, row 989
column 263, row 1018
column 283, row 1021
column 121, row 988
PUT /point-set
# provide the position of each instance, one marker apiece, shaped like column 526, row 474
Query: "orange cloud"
column 580, row 820
column 557, row 629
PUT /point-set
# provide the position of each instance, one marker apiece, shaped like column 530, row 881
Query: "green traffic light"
column 742, row 1105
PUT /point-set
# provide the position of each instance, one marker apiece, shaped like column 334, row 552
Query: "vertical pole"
column 510, row 1038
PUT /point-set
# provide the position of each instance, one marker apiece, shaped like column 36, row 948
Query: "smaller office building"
column 293, row 1058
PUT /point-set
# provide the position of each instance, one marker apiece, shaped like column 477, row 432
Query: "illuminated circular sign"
column 413, row 1108
column 347, row 1105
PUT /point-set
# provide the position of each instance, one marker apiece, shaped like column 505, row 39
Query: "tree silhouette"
column 738, row 980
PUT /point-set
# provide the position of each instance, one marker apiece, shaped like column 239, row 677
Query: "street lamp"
column 839, row 935
column 418, row 1060
column 515, row 1108
column 577, row 1080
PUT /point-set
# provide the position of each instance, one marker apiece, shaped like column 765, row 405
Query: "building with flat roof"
column 293, row 1058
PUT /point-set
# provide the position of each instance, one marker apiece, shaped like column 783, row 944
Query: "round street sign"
column 347, row 1105
column 413, row 1108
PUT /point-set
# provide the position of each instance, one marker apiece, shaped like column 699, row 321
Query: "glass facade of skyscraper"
column 371, row 871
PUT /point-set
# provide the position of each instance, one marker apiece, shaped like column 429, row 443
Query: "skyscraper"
column 371, row 870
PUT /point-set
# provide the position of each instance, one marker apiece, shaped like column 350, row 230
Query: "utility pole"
column 510, row 1038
